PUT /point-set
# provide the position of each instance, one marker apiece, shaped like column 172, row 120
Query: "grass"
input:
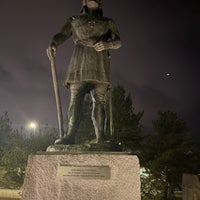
column 7, row 194
column 2, row 171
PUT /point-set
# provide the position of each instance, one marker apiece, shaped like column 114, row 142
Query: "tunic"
column 86, row 63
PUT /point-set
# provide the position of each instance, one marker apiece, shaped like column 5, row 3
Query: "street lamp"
column 33, row 125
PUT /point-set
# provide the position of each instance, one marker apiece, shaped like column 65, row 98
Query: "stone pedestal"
column 89, row 176
column 191, row 187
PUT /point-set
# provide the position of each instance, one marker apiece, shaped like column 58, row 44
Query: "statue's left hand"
column 100, row 46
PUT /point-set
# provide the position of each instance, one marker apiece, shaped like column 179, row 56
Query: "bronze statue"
column 88, row 70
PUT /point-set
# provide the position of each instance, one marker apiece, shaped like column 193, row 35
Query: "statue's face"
column 92, row 4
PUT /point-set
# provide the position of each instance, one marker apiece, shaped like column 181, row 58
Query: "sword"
column 56, row 91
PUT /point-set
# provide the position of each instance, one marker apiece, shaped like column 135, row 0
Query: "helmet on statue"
column 97, row 1
column 85, row 8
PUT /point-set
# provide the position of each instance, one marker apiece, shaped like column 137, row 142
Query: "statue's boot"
column 65, row 141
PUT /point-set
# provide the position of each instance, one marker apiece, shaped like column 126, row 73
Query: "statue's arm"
column 111, row 40
column 63, row 35
column 59, row 38
column 114, row 41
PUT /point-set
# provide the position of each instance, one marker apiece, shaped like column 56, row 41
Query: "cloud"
column 5, row 75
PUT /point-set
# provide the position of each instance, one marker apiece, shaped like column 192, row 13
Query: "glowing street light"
column 33, row 125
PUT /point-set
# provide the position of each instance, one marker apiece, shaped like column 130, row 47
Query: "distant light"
column 33, row 125
column 168, row 74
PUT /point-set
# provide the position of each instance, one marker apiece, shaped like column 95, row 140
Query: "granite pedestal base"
column 89, row 176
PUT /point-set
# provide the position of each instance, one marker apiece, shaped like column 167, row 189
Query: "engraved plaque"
column 84, row 172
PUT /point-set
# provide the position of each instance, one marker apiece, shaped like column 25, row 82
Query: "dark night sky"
column 158, row 37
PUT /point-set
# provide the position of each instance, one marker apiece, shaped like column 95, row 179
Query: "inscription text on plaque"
column 84, row 172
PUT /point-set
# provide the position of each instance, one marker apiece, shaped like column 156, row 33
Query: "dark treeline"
column 15, row 148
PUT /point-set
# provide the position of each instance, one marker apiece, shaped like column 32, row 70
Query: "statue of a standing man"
column 88, row 70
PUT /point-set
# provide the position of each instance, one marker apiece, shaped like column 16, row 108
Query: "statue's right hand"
column 51, row 52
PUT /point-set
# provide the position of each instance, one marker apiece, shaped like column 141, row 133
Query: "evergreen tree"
column 14, row 160
column 5, row 132
column 12, row 157
column 5, row 129
column 169, row 153
column 126, row 123
column 40, row 141
column 15, row 148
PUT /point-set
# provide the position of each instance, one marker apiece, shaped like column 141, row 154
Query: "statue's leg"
column 78, row 91
column 98, row 111
column 75, row 108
